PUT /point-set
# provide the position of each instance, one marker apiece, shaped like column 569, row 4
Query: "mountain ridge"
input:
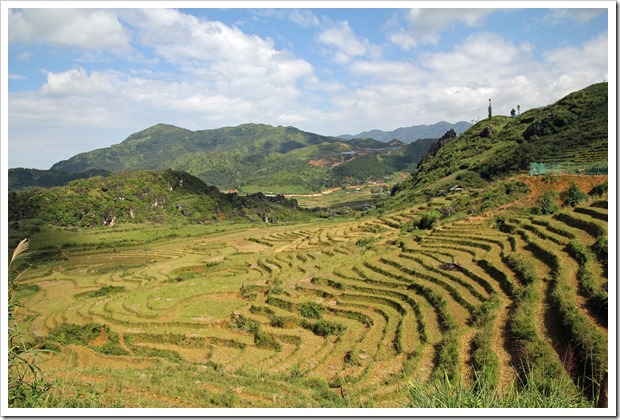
column 411, row 134
column 252, row 154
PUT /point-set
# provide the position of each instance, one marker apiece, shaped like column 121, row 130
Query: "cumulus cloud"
column 342, row 44
column 455, row 85
column 223, row 56
column 90, row 29
column 426, row 25
column 591, row 66
column 198, row 73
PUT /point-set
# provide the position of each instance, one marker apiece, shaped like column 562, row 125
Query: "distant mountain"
column 252, row 156
column 228, row 157
column 161, row 144
column 413, row 133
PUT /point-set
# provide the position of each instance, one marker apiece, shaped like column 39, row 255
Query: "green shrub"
column 75, row 334
column 599, row 190
column 573, row 195
column 243, row 323
column 366, row 242
column 265, row 340
column 105, row 290
column 277, row 288
column 429, row 219
column 324, row 328
column 547, row 203
column 470, row 179
column 112, row 347
column 282, row 321
column 311, row 310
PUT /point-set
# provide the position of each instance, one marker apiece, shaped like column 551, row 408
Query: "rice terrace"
column 473, row 285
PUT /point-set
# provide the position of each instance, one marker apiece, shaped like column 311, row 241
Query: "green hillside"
column 379, row 165
column 226, row 157
column 249, row 155
column 145, row 196
column 158, row 145
column 574, row 129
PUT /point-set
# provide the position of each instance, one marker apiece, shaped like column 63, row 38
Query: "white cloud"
column 200, row 74
column 456, row 85
column 89, row 29
column 426, row 25
column 592, row 64
column 342, row 44
column 304, row 18
column 78, row 82
column 571, row 16
column 404, row 40
column 224, row 55
column 403, row 72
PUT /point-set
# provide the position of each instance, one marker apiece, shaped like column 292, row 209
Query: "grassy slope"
column 574, row 129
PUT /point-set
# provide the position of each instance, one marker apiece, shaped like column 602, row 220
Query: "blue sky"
column 83, row 78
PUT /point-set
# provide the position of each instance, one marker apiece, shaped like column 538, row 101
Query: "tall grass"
column 26, row 382
column 526, row 393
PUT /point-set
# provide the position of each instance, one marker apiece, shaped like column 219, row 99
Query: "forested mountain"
column 161, row 144
column 280, row 159
column 228, row 157
column 572, row 130
column 413, row 133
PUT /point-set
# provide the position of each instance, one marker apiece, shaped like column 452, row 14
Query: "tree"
column 513, row 112
column 547, row 203
column 490, row 110
column 574, row 195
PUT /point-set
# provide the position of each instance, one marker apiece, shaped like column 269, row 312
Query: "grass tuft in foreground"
column 527, row 393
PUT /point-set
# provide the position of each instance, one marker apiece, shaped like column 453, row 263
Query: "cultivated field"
column 347, row 313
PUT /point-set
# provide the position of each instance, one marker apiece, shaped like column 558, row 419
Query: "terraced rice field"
column 361, row 308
